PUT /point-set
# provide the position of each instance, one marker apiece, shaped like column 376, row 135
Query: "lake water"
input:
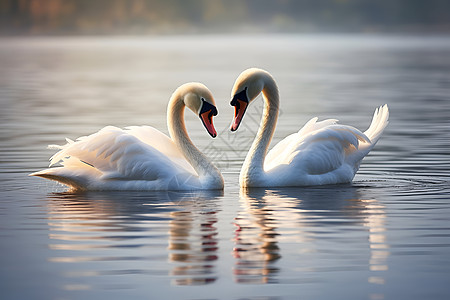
column 385, row 236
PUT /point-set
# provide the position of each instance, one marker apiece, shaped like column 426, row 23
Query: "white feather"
column 319, row 153
column 135, row 158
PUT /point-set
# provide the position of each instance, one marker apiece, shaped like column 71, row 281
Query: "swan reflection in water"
column 123, row 233
column 280, row 234
column 193, row 241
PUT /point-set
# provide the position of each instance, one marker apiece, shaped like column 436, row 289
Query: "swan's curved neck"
column 253, row 166
column 177, row 130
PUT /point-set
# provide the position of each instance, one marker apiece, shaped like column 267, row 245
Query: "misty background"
column 66, row 17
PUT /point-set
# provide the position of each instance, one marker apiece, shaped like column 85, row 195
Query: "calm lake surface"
column 385, row 236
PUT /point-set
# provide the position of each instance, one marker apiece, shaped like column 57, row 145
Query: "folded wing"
column 136, row 153
column 318, row 148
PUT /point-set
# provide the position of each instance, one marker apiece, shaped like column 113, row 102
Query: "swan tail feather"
column 61, row 175
column 379, row 122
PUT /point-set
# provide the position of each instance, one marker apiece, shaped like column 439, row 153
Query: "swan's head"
column 246, row 88
column 199, row 99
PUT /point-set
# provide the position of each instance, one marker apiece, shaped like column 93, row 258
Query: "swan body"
column 320, row 153
column 142, row 157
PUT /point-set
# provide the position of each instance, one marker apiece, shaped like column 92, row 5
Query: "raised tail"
column 379, row 122
column 376, row 128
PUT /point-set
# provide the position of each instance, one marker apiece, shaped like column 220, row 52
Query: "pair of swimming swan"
column 143, row 158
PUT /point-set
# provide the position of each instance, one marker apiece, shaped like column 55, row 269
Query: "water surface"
column 385, row 236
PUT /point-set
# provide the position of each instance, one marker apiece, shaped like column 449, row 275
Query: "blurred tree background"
column 44, row 17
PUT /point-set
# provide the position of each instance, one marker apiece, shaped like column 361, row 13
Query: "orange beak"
column 239, row 110
column 207, row 119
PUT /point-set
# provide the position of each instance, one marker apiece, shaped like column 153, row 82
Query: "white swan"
column 141, row 157
column 320, row 153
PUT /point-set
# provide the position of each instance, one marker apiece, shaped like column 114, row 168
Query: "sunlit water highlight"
column 385, row 236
